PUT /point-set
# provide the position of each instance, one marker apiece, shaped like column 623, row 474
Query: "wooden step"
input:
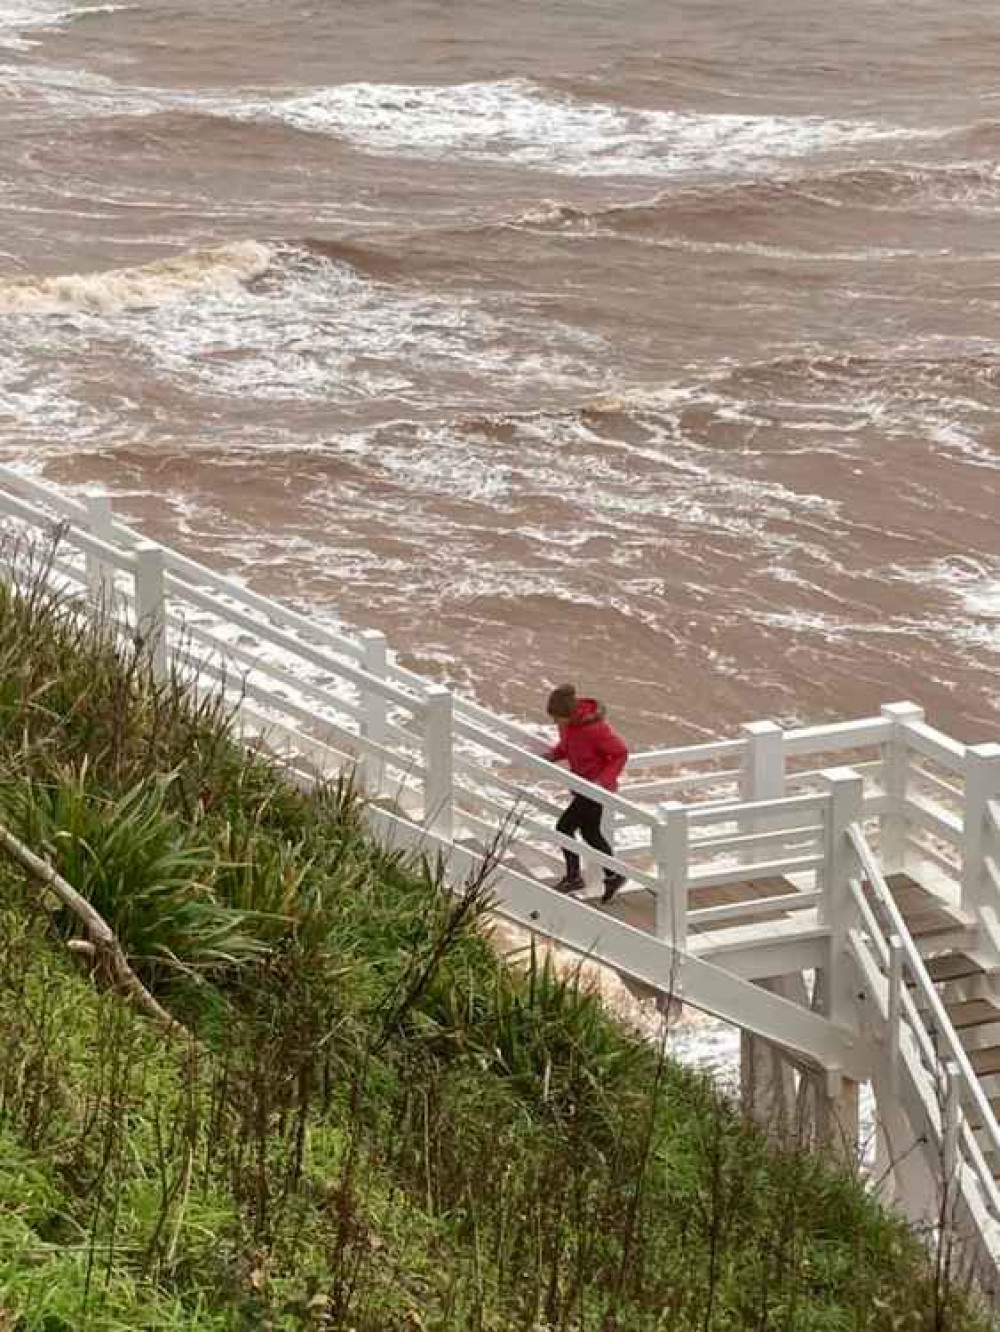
column 968, row 1013
column 985, row 1062
column 935, row 920
column 749, row 890
column 952, row 967
column 924, row 913
column 739, row 894
column 973, row 1114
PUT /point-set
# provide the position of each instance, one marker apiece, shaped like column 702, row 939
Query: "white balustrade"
column 982, row 785
column 150, row 605
column 374, row 710
column 439, row 740
column 895, row 763
column 951, row 1114
column 100, row 576
column 763, row 774
column 845, row 792
column 670, row 857
column 895, row 1014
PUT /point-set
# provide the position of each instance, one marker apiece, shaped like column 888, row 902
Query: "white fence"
column 764, row 810
column 686, row 818
column 925, row 1061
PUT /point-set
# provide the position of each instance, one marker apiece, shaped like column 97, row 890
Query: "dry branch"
column 102, row 938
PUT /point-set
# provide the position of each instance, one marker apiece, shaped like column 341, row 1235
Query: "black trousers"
column 583, row 815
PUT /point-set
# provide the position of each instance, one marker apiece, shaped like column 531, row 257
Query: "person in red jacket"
column 595, row 752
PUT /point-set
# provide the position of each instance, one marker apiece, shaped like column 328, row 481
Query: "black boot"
column 612, row 882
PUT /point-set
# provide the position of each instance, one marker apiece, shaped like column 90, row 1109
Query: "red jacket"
column 593, row 749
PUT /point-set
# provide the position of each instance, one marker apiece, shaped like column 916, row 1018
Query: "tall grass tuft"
column 132, row 860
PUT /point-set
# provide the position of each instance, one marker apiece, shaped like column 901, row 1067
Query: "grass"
column 376, row 1124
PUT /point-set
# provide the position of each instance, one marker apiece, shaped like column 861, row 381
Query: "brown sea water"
column 652, row 346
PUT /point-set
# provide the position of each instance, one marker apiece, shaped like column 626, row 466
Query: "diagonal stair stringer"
column 643, row 957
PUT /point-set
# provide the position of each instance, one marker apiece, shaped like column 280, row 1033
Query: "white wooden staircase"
column 847, row 917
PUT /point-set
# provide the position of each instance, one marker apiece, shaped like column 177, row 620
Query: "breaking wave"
column 886, row 187
column 958, row 367
column 518, row 122
column 513, row 123
column 21, row 17
column 217, row 271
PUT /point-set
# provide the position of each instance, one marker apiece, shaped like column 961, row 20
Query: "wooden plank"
column 975, row 1122
column 637, row 909
column 968, row 1013
column 923, row 912
column 985, row 1062
column 930, row 923
column 731, row 894
column 952, row 967
column 727, row 894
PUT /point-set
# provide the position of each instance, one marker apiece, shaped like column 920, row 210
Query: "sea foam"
column 21, row 17
column 530, row 126
column 165, row 281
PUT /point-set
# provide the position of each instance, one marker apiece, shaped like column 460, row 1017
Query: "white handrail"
column 868, row 768
column 809, row 832
column 728, row 811
column 246, row 659
column 835, row 736
column 609, row 799
column 927, row 1054
column 764, row 869
column 684, row 782
column 288, row 708
column 63, row 503
column 938, row 822
column 191, row 575
column 935, row 745
column 779, row 904
column 199, row 575
column 524, row 794
column 87, row 544
column 948, row 790
column 705, row 752
column 355, row 675
column 915, row 963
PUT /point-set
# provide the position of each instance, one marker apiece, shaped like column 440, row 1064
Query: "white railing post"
column 150, row 605
column 895, row 1011
column 373, row 710
column 838, row 1119
column 765, row 1077
column 762, row 775
column 100, row 578
column 982, row 784
column 763, row 771
column 670, row 853
column 845, row 791
column 895, row 764
column 950, row 1113
column 439, row 762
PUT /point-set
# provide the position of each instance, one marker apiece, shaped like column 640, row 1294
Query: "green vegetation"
column 376, row 1125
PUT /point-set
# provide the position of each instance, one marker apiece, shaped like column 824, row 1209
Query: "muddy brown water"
column 651, row 346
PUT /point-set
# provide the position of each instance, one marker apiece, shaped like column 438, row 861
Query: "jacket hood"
column 586, row 712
